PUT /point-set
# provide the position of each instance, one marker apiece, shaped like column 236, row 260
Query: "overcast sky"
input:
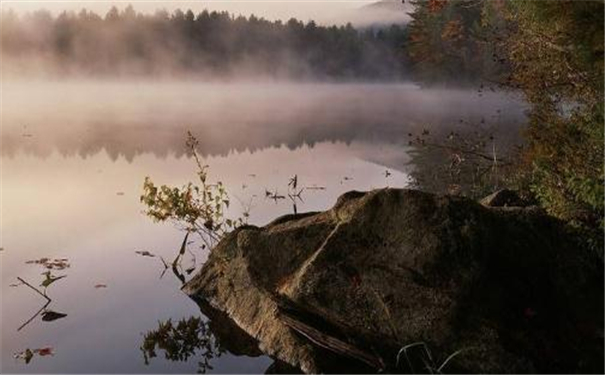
column 322, row 11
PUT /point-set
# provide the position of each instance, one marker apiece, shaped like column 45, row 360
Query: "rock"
column 344, row 290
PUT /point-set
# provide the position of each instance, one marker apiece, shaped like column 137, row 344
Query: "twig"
column 34, row 316
column 35, row 289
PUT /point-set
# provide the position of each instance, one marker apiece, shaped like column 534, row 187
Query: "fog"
column 185, row 44
column 127, row 118
column 360, row 13
column 92, row 103
column 133, row 81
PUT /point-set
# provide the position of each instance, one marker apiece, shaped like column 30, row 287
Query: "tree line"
column 212, row 43
column 552, row 52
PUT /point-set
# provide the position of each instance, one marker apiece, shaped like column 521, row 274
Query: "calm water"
column 74, row 156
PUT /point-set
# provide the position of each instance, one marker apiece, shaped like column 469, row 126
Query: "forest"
column 552, row 53
column 218, row 44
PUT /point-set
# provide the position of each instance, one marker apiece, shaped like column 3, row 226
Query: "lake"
column 75, row 154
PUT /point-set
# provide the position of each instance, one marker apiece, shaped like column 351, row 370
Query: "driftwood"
column 331, row 343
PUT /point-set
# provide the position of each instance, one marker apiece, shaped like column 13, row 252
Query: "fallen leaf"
column 145, row 253
column 99, row 286
column 25, row 355
column 51, row 264
column 38, row 261
column 49, row 315
column 44, row 351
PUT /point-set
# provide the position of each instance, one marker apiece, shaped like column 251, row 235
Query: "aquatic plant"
column 49, row 279
column 198, row 208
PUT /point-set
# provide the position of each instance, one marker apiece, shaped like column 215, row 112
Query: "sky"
column 321, row 11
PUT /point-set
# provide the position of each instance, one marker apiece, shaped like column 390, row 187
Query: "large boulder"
column 505, row 289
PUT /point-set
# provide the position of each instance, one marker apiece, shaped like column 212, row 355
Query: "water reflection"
column 48, row 280
column 179, row 341
column 127, row 119
column 74, row 157
column 205, row 340
column 73, row 205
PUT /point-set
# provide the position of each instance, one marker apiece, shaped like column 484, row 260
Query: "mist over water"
column 133, row 117
column 77, row 145
column 75, row 154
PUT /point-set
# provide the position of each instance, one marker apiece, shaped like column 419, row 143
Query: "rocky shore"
column 399, row 280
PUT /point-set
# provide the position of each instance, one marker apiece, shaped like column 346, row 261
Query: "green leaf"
column 50, row 279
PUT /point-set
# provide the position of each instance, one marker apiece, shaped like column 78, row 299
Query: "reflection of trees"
column 132, row 139
column 472, row 164
column 180, row 341
column 197, row 337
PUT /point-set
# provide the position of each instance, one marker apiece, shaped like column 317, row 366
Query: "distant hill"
column 385, row 12
column 392, row 5
column 374, row 15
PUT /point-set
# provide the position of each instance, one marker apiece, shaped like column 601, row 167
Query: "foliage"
column 49, row 279
column 552, row 51
column 208, row 43
column 556, row 53
column 180, row 341
column 200, row 208
column 447, row 42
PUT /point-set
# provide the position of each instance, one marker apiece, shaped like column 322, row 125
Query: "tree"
column 556, row 53
column 447, row 42
column 209, row 42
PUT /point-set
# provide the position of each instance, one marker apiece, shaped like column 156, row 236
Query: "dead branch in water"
column 34, row 289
